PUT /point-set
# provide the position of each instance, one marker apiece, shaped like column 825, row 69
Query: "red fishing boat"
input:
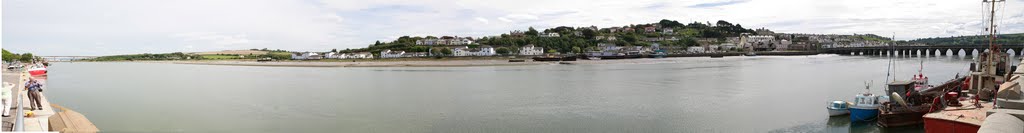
column 37, row 71
column 966, row 118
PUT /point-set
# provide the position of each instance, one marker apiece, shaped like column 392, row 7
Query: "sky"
column 113, row 27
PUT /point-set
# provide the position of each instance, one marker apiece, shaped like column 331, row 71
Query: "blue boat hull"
column 863, row 114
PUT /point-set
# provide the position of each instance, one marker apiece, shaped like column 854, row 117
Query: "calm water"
column 732, row 94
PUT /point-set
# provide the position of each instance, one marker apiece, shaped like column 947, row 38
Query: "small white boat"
column 837, row 108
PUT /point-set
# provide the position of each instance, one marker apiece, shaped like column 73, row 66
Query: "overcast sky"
column 107, row 27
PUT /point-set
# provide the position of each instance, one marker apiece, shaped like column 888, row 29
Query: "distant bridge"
column 66, row 58
column 915, row 50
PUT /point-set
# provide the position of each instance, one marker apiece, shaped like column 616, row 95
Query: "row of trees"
column 1003, row 39
column 11, row 57
column 147, row 56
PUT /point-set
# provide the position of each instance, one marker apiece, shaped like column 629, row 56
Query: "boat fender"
column 900, row 100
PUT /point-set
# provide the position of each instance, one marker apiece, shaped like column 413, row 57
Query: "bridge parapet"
column 914, row 50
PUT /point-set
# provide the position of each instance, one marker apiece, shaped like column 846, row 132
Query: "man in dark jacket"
column 34, row 88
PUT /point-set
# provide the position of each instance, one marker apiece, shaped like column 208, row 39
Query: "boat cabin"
column 838, row 105
column 866, row 99
column 901, row 88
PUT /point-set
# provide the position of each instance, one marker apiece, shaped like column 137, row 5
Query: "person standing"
column 7, row 99
column 34, row 88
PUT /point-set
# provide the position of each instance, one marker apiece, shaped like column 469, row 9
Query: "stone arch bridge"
column 915, row 50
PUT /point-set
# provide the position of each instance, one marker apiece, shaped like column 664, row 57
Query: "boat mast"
column 993, row 48
column 890, row 68
column 992, row 24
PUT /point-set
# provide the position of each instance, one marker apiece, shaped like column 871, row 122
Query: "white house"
column 667, row 31
column 363, row 55
column 429, row 41
column 758, row 42
column 650, row 29
column 531, row 50
column 550, row 35
column 695, row 49
column 336, row 55
column 461, row 41
column 391, row 54
column 783, row 45
column 306, row 56
column 414, row 54
column 481, row 51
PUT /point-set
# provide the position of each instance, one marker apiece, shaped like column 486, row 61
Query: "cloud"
column 126, row 27
column 482, row 20
column 719, row 3
column 656, row 6
column 517, row 17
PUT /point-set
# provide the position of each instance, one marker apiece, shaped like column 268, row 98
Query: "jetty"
column 51, row 118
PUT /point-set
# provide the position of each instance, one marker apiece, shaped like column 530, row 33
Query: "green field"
column 219, row 57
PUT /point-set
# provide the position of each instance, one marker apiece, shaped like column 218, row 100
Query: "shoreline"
column 445, row 62
column 441, row 63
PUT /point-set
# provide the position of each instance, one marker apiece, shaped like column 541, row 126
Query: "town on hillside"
column 664, row 37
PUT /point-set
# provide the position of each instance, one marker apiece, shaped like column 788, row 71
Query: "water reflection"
column 732, row 94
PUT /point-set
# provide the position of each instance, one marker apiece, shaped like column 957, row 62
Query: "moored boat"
column 552, row 57
column 910, row 101
column 864, row 108
column 966, row 118
column 37, row 71
column 838, row 108
column 569, row 58
column 906, row 105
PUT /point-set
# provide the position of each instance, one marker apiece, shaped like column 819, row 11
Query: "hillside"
column 213, row 55
column 232, row 52
column 577, row 39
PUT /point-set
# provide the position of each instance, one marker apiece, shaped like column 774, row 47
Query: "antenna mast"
column 992, row 46
column 992, row 24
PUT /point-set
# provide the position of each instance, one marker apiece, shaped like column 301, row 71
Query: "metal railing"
column 19, row 122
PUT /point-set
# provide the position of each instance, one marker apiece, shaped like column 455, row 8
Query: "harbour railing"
column 19, row 122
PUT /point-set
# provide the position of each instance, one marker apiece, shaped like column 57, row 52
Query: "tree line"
column 1004, row 39
column 11, row 57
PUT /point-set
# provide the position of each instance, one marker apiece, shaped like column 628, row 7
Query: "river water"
column 731, row 94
